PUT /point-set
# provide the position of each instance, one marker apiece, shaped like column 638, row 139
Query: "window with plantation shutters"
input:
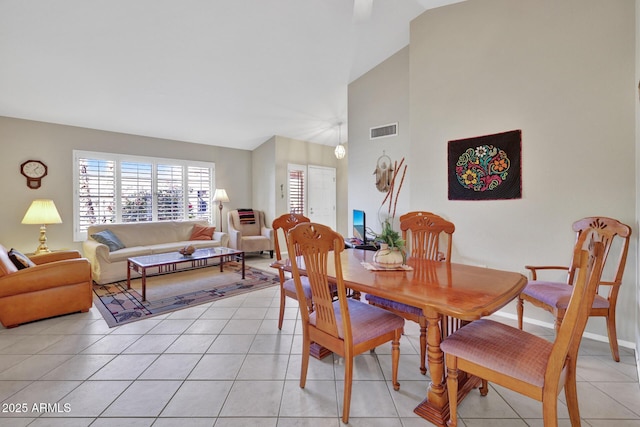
column 170, row 193
column 114, row 188
column 136, row 191
column 199, row 193
column 297, row 189
column 95, row 189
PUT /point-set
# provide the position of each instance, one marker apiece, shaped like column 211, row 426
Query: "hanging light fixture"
column 340, row 151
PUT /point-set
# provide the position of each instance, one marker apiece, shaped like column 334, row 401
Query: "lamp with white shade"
column 220, row 196
column 43, row 212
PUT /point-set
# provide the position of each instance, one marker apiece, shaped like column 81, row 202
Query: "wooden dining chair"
column 346, row 326
column 524, row 362
column 422, row 232
column 281, row 226
column 413, row 213
column 554, row 296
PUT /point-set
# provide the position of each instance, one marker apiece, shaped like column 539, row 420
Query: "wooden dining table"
column 443, row 290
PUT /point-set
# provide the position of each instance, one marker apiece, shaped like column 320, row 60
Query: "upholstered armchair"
column 45, row 286
column 248, row 231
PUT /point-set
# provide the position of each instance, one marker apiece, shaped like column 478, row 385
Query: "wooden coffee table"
column 168, row 262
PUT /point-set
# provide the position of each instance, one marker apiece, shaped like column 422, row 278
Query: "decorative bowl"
column 187, row 250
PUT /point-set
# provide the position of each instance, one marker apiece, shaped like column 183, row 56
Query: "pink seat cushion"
column 367, row 321
column 556, row 294
column 290, row 286
column 501, row 348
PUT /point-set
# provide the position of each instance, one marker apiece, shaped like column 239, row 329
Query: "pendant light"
column 340, row 151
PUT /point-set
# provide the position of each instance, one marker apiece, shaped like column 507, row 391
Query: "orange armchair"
column 58, row 283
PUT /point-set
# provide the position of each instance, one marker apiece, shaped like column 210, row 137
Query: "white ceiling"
column 231, row 73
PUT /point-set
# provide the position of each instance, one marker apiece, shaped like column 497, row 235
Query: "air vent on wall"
column 383, row 131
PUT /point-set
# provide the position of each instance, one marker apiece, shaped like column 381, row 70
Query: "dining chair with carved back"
column 523, row 362
column 422, row 231
column 346, row 326
column 554, row 296
column 281, row 226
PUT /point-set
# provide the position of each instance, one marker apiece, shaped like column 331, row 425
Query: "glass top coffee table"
column 168, row 262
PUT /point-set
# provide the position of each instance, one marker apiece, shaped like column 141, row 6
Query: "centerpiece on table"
column 392, row 247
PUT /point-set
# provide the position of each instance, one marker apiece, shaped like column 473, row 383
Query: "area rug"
column 170, row 292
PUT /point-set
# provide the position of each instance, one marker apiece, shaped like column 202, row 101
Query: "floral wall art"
column 486, row 167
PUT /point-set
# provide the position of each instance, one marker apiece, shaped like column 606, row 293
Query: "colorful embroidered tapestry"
column 486, row 167
column 246, row 216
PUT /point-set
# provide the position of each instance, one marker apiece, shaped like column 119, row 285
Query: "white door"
column 321, row 195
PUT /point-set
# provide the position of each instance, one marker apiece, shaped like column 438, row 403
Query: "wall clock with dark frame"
column 34, row 171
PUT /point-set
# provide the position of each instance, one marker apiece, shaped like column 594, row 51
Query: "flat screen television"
column 360, row 226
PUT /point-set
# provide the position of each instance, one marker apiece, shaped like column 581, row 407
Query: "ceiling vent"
column 383, row 131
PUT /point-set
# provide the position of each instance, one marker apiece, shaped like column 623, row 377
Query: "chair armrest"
column 45, row 276
column 534, row 269
column 235, row 236
column 267, row 232
column 54, row 256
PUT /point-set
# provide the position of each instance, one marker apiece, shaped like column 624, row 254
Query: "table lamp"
column 220, row 196
column 42, row 211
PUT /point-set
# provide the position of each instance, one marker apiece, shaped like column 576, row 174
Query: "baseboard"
column 590, row 335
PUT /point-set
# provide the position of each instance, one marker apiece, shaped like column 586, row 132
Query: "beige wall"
column 563, row 72
column 378, row 98
column 21, row 140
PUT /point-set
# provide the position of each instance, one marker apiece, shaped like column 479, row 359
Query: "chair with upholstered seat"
column 347, row 327
column 422, row 232
column 282, row 225
column 523, row 362
column 554, row 296
column 249, row 232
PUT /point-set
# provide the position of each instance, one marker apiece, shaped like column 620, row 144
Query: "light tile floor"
column 226, row 364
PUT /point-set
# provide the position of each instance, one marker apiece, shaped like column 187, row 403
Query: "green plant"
column 390, row 236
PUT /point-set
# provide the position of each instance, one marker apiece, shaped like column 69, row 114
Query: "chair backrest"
column 318, row 245
column 607, row 230
column 413, row 213
column 285, row 223
column 250, row 223
column 422, row 233
column 590, row 255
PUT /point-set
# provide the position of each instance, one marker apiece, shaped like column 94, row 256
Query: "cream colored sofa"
column 250, row 237
column 141, row 238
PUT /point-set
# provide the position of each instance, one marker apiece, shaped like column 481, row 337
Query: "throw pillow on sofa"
column 20, row 260
column 106, row 237
column 201, row 232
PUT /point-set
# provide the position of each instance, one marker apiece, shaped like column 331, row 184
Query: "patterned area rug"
column 170, row 292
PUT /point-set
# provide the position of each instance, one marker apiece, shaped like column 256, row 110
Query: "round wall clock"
column 34, row 171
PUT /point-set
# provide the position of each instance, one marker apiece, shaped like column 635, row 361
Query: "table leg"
column 144, row 284
column 129, row 274
column 435, row 407
column 242, row 255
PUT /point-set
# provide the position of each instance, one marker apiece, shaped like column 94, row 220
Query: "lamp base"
column 220, row 207
column 42, row 247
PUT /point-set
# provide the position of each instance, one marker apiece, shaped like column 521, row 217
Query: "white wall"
column 563, row 73
column 21, row 140
column 379, row 97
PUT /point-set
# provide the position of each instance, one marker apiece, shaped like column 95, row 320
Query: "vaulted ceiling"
column 230, row 73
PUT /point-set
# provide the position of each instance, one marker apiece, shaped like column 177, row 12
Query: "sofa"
column 249, row 232
column 108, row 257
column 46, row 285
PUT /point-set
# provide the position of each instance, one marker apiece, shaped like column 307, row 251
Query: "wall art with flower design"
column 486, row 167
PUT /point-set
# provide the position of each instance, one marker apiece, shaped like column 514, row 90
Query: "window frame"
column 81, row 234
